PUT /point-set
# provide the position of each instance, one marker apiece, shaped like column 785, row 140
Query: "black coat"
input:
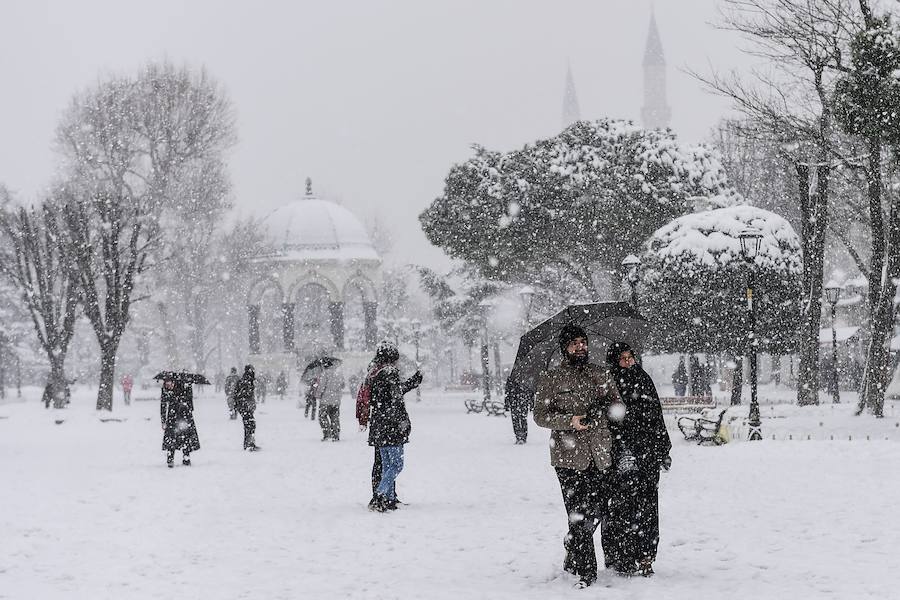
column 389, row 423
column 176, row 408
column 245, row 394
column 642, row 431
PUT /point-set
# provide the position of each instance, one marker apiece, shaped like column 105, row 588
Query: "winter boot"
column 186, row 460
column 170, row 460
column 645, row 569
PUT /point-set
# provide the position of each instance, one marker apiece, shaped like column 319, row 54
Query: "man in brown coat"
column 572, row 401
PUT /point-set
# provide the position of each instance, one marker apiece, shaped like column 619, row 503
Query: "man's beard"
column 577, row 360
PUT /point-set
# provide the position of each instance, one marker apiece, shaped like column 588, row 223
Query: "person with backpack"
column 380, row 406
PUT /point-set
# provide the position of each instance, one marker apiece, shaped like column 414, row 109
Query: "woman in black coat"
column 245, row 405
column 641, row 448
column 389, row 424
column 176, row 410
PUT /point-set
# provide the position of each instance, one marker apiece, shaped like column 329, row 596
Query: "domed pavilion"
column 317, row 293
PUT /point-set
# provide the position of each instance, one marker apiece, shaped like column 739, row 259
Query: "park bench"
column 686, row 404
column 703, row 427
column 488, row 407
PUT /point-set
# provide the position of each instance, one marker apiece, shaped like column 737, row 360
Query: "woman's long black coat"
column 176, row 408
column 631, row 535
column 389, row 423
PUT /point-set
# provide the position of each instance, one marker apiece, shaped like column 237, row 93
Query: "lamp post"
column 416, row 326
column 484, row 308
column 833, row 294
column 750, row 242
column 630, row 265
column 527, row 296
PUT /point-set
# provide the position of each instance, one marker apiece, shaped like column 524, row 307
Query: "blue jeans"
column 391, row 465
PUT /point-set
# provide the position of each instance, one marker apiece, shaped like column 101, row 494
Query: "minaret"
column 655, row 113
column 570, row 110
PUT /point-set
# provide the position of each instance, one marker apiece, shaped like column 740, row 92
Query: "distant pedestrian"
column 680, row 378
column 517, row 401
column 312, row 391
column 641, row 448
column 262, row 387
column 219, row 381
column 389, row 423
column 127, row 384
column 230, row 387
column 696, row 377
column 330, row 390
column 572, row 401
column 245, row 404
column 281, row 385
column 176, row 410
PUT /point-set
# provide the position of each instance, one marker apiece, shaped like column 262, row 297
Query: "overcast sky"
column 374, row 100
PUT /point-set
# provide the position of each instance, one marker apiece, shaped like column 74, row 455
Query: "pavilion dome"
column 313, row 229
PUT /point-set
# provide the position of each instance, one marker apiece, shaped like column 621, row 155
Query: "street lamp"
column 484, row 308
column 630, row 265
column 416, row 325
column 527, row 296
column 751, row 239
column 832, row 294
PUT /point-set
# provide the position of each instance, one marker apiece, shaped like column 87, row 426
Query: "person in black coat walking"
column 245, row 404
column 518, row 401
column 641, row 448
column 389, row 424
column 176, row 411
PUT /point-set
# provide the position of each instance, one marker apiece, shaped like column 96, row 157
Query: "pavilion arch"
column 259, row 288
column 312, row 277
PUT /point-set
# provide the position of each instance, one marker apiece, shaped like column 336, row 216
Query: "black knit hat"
column 569, row 333
column 615, row 351
column 386, row 353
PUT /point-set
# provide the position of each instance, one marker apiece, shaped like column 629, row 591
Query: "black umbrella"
column 323, row 362
column 604, row 323
column 182, row 376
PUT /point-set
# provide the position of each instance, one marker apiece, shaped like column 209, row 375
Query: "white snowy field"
column 89, row 510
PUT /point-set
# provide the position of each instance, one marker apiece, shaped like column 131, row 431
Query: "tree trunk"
column 55, row 389
column 107, row 371
column 168, row 333
column 815, row 219
column 737, row 380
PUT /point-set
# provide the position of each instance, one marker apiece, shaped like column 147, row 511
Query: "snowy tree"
column 866, row 99
column 695, row 280
column 576, row 203
column 32, row 259
column 130, row 145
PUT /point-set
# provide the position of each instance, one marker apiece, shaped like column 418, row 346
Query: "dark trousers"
column 249, row 428
column 631, row 535
column 519, row 422
column 586, row 497
column 310, row 406
column 330, row 421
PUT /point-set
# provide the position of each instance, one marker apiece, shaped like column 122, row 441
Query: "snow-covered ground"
column 89, row 510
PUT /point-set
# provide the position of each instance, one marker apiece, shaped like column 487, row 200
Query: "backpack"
column 364, row 397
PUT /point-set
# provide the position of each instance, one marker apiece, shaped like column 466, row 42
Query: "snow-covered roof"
column 315, row 229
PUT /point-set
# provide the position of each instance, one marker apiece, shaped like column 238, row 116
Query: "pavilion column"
column 336, row 318
column 287, row 325
column 253, row 316
column 370, row 312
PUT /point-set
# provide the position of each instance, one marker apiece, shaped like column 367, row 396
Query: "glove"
column 416, row 379
column 627, row 463
column 666, row 463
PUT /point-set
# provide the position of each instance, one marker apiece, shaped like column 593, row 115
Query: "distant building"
column 570, row 110
column 318, row 292
column 656, row 113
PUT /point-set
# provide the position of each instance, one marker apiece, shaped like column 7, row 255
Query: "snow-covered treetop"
column 712, row 238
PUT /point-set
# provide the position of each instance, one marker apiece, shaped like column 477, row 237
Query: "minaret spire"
column 570, row 110
column 656, row 113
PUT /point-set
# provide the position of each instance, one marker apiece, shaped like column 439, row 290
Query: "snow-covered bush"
column 694, row 282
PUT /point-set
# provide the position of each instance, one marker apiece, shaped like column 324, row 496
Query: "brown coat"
column 567, row 391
